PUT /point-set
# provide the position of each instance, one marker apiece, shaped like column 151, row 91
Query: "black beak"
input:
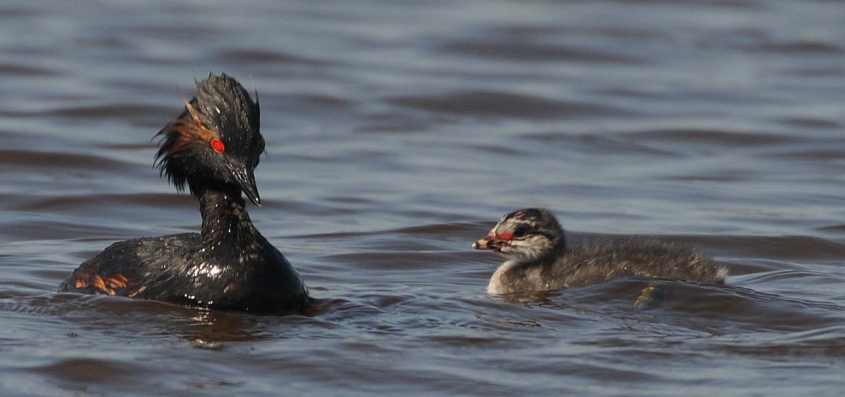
column 246, row 181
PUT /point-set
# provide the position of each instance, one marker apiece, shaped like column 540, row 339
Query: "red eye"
column 218, row 146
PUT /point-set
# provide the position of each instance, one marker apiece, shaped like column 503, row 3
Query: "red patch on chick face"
column 504, row 236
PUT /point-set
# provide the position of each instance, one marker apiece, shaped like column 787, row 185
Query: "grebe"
column 538, row 258
column 212, row 148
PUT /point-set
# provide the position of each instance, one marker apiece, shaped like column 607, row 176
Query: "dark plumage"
column 222, row 110
column 212, row 148
column 538, row 258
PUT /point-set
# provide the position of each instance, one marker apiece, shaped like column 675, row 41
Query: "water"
column 397, row 134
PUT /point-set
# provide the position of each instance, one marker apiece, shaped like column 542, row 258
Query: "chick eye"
column 520, row 231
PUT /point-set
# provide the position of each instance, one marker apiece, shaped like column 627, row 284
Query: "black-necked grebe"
column 538, row 258
column 212, row 148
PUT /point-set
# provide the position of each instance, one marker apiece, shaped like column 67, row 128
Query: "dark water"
column 397, row 134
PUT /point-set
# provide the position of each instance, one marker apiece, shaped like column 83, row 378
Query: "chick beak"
column 483, row 244
column 246, row 181
column 493, row 241
column 490, row 242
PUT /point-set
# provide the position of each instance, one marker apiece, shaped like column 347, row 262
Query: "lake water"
column 397, row 134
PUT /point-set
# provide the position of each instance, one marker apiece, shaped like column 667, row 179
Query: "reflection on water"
column 397, row 134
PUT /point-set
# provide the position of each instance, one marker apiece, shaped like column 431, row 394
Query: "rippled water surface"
column 397, row 134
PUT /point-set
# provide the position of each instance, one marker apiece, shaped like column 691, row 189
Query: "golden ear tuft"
column 186, row 130
column 178, row 137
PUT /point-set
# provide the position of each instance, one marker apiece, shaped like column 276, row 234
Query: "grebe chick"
column 538, row 258
column 213, row 148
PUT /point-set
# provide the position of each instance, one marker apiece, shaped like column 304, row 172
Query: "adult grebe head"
column 216, row 141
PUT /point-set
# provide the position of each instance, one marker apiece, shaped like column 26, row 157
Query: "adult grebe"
column 212, row 148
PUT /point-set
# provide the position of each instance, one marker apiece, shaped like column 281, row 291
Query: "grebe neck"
column 224, row 216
